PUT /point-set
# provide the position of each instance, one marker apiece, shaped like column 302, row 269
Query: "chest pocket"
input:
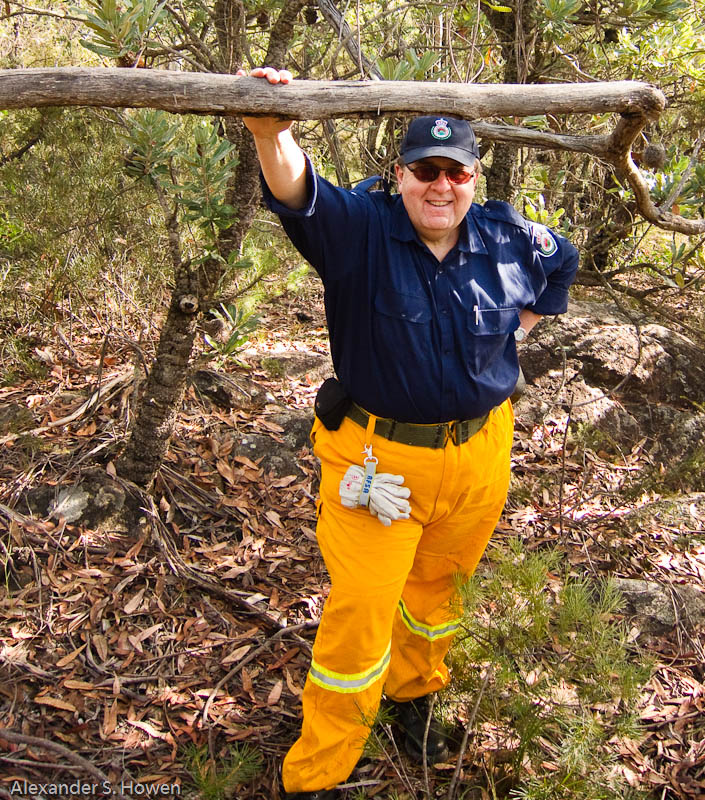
column 405, row 307
column 489, row 329
column 401, row 326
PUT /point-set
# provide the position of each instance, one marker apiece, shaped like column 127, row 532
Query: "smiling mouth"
column 439, row 203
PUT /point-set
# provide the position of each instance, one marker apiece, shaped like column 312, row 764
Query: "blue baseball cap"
column 440, row 136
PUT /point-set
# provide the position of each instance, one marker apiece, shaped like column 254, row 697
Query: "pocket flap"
column 409, row 307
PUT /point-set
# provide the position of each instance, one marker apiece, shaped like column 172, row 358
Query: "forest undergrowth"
column 120, row 669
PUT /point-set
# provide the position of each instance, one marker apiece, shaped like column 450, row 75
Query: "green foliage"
column 118, row 34
column 499, row 8
column 189, row 163
column 559, row 15
column 208, row 164
column 535, row 210
column 18, row 361
column 239, row 324
column 73, row 227
column 691, row 195
column 409, row 68
column 561, row 677
column 12, row 233
column 219, row 779
column 640, row 11
column 150, row 136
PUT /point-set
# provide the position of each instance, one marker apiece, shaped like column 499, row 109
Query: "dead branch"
column 205, row 93
column 293, row 629
column 46, row 744
column 185, row 571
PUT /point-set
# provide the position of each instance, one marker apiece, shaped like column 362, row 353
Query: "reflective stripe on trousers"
column 347, row 684
column 394, row 584
column 430, row 632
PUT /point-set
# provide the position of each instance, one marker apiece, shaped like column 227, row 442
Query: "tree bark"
column 516, row 32
column 194, row 291
column 206, row 93
column 159, row 403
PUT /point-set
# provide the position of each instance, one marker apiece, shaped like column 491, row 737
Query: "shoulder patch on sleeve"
column 544, row 241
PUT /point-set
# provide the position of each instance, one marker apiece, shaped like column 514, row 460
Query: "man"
column 426, row 294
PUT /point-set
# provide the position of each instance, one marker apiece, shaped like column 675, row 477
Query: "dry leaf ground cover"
column 121, row 669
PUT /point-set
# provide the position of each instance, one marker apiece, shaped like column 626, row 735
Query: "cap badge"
column 441, row 130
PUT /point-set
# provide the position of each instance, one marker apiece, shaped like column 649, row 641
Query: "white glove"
column 388, row 498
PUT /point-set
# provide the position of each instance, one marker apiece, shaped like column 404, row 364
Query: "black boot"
column 319, row 794
column 411, row 718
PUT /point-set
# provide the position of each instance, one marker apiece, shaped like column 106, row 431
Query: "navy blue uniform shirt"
column 413, row 338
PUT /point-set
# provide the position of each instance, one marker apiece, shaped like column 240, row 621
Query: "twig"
column 397, row 763
column 466, row 736
column 427, row 728
column 27, row 763
column 245, row 661
column 183, row 570
column 38, row 12
column 35, row 741
column 563, row 459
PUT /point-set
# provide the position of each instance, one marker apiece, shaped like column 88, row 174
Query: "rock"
column 228, row 391
column 680, row 444
column 590, row 361
column 279, row 458
column 602, row 346
column 314, row 367
column 659, row 609
column 297, row 427
column 70, row 504
column 96, row 500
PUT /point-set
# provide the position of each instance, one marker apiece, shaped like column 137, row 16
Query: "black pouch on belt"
column 332, row 403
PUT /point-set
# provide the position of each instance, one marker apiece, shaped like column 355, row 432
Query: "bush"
column 556, row 676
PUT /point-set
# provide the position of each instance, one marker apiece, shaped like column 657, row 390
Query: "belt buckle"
column 452, row 432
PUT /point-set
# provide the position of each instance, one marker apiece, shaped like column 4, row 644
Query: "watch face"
column 520, row 334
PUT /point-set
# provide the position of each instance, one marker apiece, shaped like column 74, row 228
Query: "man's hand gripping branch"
column 282, row 160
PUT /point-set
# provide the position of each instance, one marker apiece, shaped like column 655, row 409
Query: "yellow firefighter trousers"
column 393, row 607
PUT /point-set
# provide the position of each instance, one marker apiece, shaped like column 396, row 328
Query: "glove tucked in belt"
column 387, row 497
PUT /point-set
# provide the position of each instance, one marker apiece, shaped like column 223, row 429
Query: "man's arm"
column 282, row 160
column 527, row 319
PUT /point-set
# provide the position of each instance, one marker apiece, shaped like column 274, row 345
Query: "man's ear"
column 399, row 172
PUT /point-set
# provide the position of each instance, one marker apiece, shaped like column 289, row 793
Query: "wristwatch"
column 520, row 334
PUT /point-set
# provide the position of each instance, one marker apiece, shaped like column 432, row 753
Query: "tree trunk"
column 515, row 32
column 159, row 403
column 194, row 292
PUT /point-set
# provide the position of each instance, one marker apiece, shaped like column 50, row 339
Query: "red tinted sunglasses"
column 427, row 173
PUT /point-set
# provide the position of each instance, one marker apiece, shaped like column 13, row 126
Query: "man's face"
column 435, row 209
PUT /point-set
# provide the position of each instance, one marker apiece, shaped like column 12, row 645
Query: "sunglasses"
column 427, row 173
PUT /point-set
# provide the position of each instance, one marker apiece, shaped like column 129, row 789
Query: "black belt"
column 433, row 436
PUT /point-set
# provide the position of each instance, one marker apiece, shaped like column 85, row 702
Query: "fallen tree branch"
column 185, row 571
column 206, row 93
column 293, row 629
column 46, row 744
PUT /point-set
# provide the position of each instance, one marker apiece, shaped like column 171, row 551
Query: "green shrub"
column 555, row 673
